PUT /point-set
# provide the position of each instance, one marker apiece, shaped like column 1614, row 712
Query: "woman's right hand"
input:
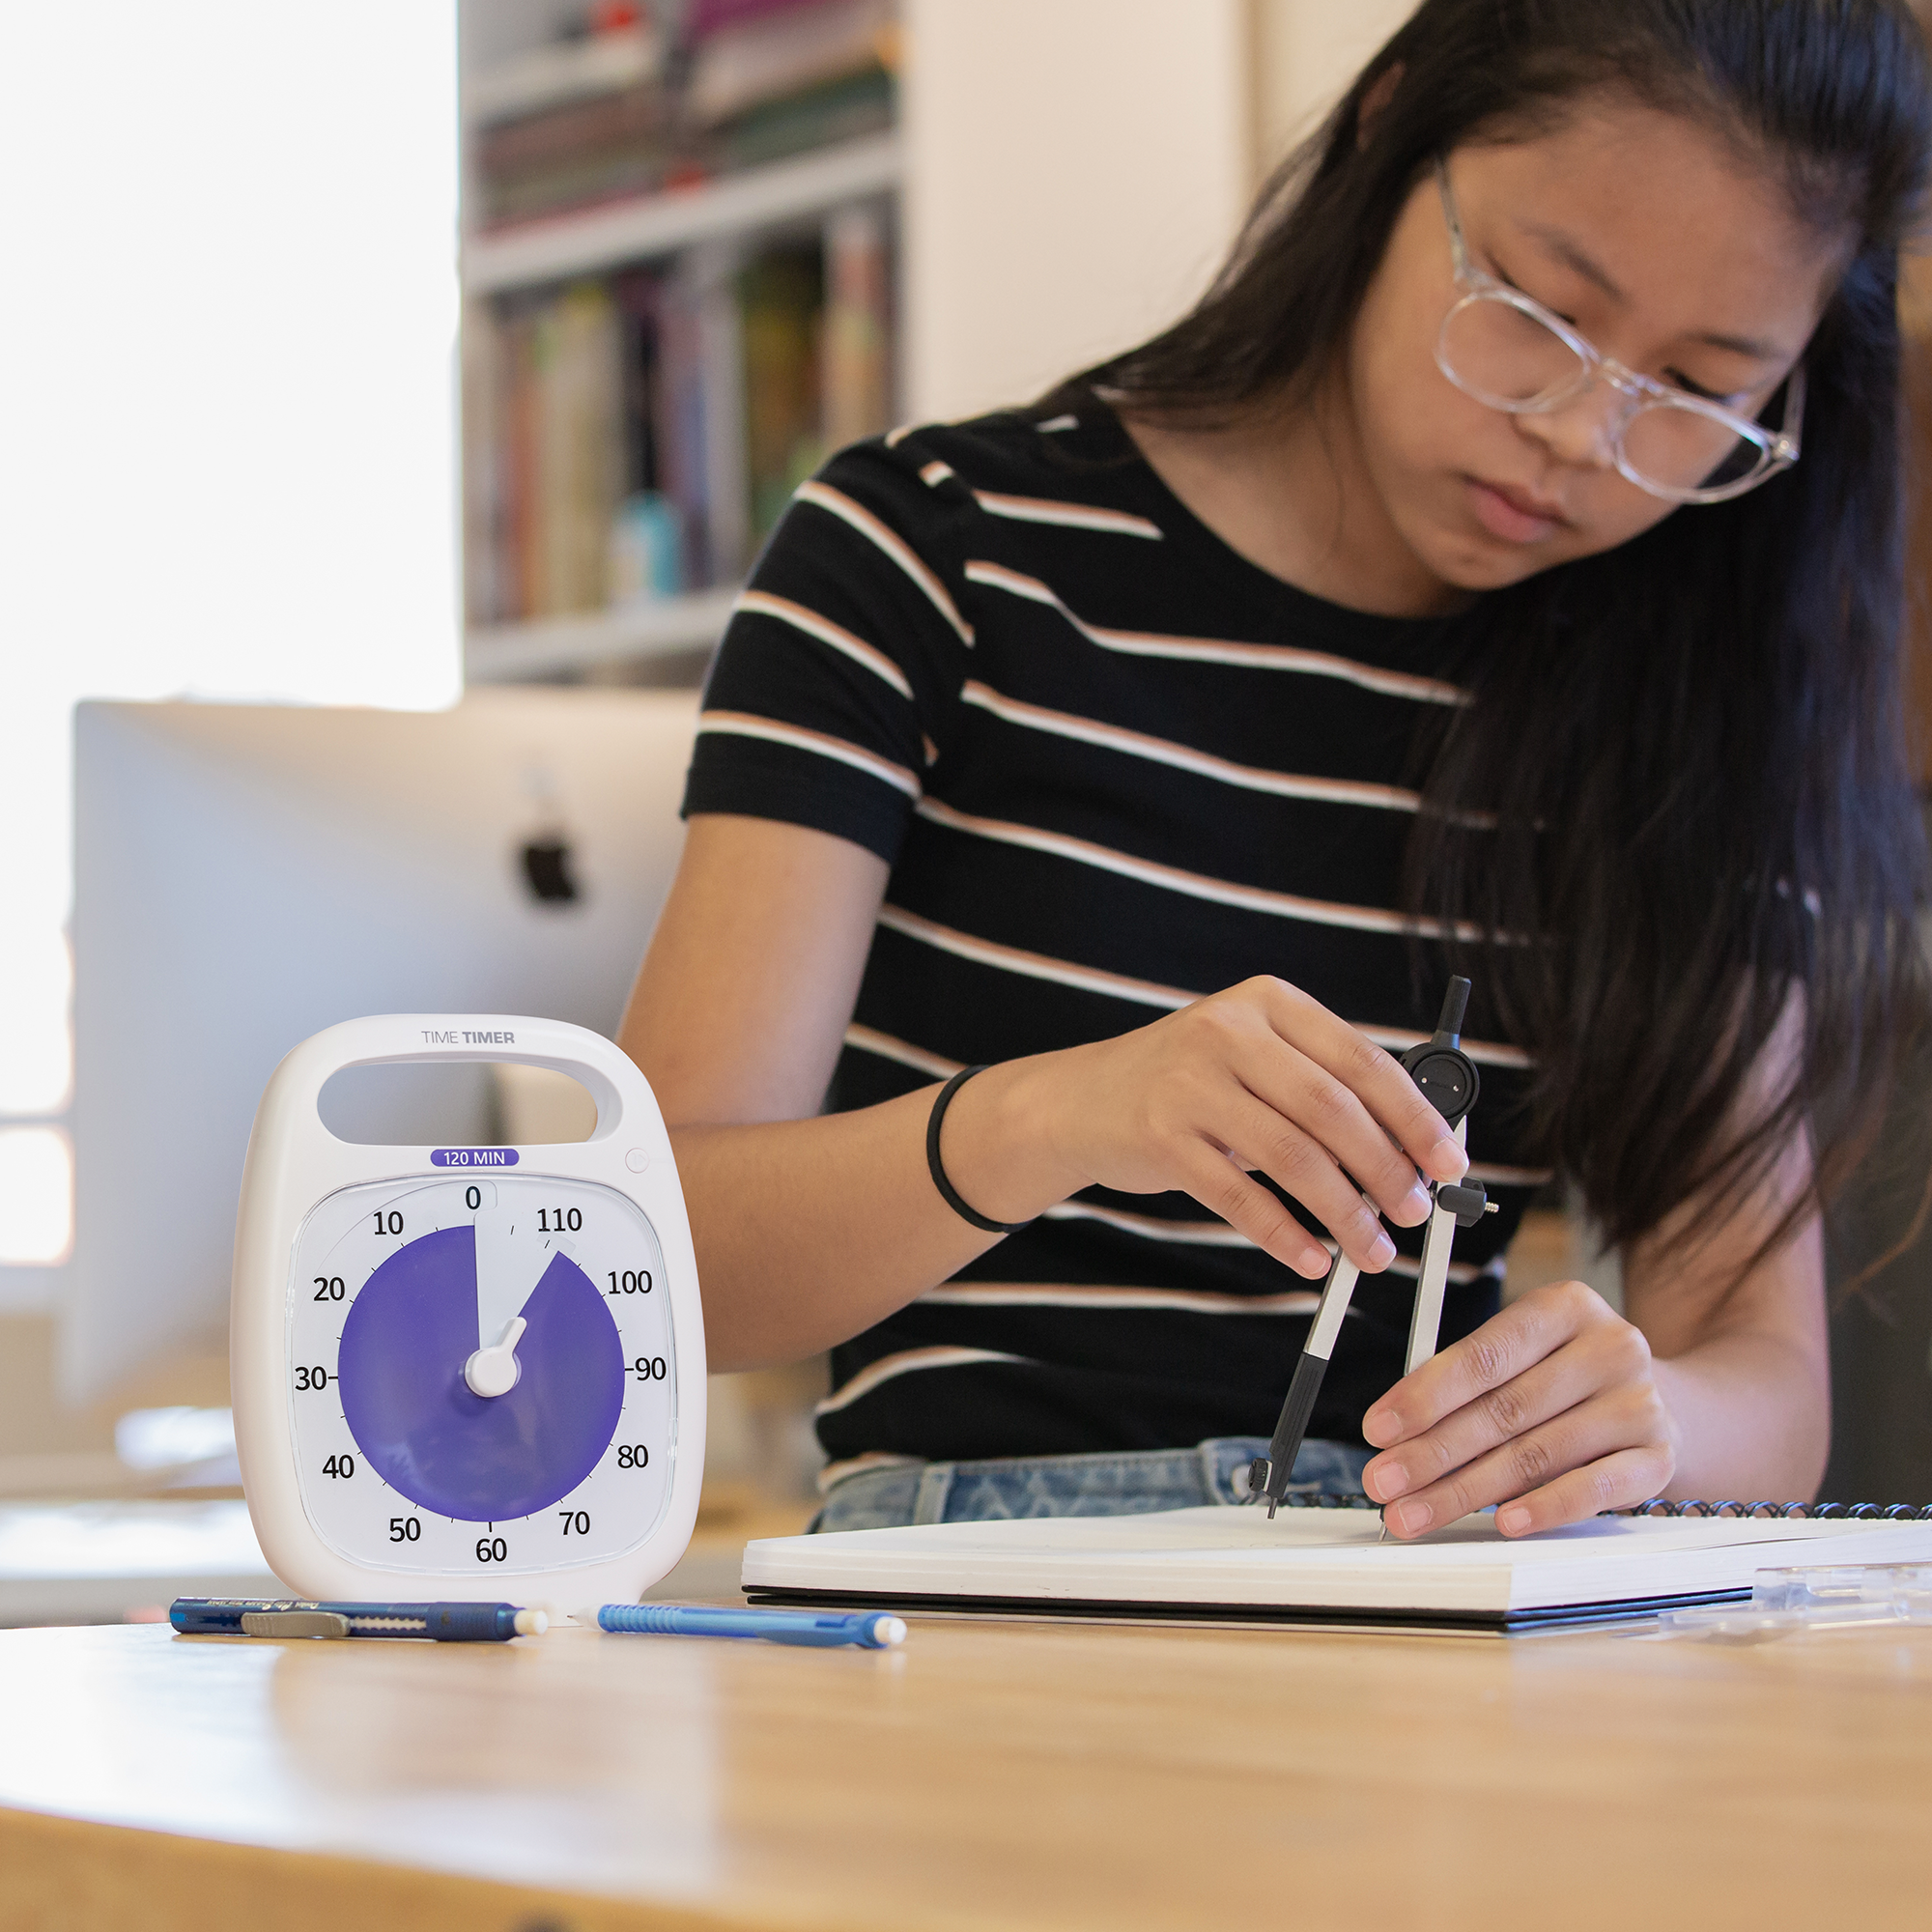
column 1257, row 1079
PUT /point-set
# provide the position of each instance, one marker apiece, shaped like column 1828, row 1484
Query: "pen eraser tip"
column 890, row 1631
column 531, row 1623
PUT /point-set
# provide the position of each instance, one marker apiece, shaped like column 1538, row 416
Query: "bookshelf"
column 551, row 647
column 679, row 268
column 738, row 209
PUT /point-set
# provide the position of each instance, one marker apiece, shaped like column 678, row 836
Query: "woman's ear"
column 1381, row 91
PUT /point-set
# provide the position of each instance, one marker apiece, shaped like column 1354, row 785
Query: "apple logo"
column 548, row 873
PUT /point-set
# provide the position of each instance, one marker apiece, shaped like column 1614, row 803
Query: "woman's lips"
column 1511, row 515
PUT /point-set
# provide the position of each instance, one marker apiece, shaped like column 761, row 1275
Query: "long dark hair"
column 1692, row 744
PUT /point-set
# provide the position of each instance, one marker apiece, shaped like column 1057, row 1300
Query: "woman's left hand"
column 1550, row 1411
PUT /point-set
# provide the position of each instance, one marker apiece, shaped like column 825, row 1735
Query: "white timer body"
column 470, row 1373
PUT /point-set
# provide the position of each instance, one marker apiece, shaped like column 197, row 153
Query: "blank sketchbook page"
column 1316, row 1559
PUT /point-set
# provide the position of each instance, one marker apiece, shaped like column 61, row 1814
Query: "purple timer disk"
column 481, row 1459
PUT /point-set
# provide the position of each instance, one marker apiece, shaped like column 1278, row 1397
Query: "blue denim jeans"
column 1135, row 1482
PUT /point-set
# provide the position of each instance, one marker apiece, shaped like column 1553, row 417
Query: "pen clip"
column 295, row 1623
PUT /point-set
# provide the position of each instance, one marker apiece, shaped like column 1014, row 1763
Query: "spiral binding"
column 1811, row 1512
column 1690, row 1506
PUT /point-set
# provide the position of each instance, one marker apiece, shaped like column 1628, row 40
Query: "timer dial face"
column 395, row 1289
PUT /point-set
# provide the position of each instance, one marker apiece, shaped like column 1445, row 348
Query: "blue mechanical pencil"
column 870, row 1629
column 296, row 1616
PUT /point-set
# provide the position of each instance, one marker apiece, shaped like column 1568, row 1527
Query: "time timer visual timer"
column 478, row 1372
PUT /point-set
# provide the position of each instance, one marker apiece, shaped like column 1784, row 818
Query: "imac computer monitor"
column 247, row 875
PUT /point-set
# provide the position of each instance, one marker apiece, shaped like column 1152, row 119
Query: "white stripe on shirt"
column 905, row 1363
column 1174, row 1300
column 763, row 604
column 1142, row 992
column 741, row 724
column 1183, row 758
column 1069, row 515
column 1032, row 965
column 1196, row 885
column 869, row 1039
column 1215, row 650
column 892, row 542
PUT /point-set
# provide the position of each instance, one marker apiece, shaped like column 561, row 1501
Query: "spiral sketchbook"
column 1320, row 1567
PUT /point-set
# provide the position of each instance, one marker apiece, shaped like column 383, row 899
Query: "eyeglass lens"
column 1505, row 356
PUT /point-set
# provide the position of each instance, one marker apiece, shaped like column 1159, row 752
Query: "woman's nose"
column 1582, row 431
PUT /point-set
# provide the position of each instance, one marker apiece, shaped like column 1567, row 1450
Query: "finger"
column 1299, row 1089
column 1545, row 1390
column 1223, row 1190
column 1611, row 1481
column 1304, row 1169
column 1601, row 1426
column 1376, row 1076
column 1499, row 1350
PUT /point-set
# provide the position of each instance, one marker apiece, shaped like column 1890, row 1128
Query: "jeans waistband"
column 1109, row 1483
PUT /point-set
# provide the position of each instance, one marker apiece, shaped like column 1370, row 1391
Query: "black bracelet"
column 946, row 1191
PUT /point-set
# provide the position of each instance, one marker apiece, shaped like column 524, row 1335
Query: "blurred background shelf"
column 546, row 648
column 680, row 272
column 737, row 208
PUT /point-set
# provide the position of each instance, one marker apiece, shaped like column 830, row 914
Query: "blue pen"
column 296, row 1616
column 870, row 1629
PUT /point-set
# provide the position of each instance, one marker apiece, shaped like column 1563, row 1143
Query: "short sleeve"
column 844, row 655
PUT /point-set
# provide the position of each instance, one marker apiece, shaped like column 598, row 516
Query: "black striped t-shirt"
column 1113, row 766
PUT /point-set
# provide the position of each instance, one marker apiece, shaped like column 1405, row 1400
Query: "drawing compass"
column 1448, row 1079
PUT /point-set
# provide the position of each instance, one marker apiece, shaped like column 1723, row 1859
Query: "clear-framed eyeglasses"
column 1506, row 350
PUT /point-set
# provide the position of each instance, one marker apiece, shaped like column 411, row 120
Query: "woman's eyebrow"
column 1567, row 251
column 1558, row 243
column 1745, row 345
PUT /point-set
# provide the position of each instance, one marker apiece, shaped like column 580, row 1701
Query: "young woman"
column 1499, row 571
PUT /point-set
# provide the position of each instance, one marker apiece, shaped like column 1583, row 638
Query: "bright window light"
column 35, row 1196
column 228, row 455
column 35, row 1067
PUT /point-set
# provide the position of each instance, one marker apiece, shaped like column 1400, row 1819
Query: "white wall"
column 1306, row 54
column 226, row 444
column 1075, row 169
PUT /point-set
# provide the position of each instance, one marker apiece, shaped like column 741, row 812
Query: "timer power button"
column 638, row 1159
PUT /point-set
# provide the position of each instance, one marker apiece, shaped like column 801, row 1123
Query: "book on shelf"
column 632, row 436
column 781, row 297
column 604, row 60
column 741, row 63
column 857, row 382
column 572, row 127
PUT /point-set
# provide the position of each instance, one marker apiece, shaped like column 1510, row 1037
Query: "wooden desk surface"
column 988, row 1776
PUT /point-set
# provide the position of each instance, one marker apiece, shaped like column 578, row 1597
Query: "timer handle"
column 624, row 1101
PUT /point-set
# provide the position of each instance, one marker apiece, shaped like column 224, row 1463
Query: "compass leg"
column 1306, row 1384
column 1432, row 1278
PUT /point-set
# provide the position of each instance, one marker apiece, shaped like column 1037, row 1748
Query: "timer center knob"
column 496, row 1370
